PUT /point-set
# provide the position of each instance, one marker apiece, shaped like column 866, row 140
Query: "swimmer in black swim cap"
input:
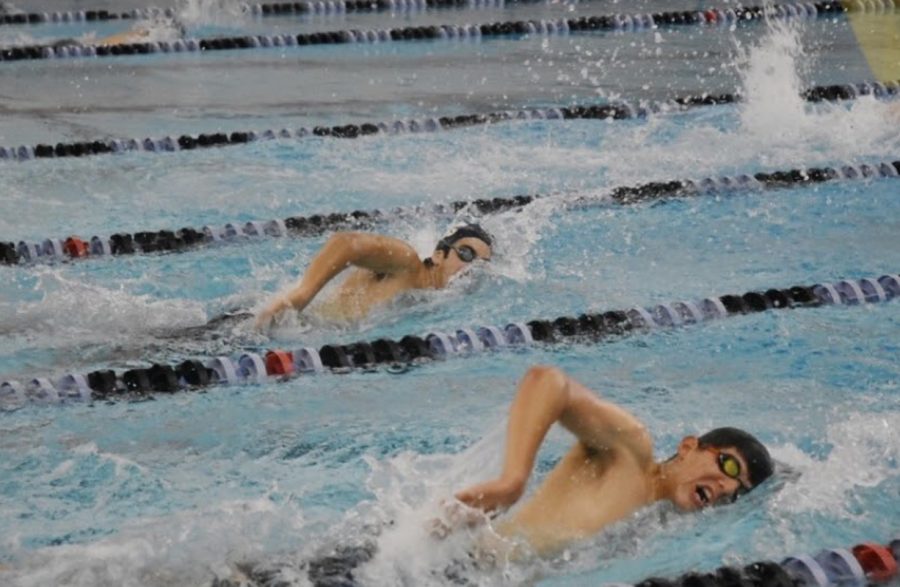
column 384, row 267
column 610, row 471
column 168, row 28
column 607, row 475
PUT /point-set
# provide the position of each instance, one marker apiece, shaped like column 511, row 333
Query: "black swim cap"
column 759, row 462
column 465, row 231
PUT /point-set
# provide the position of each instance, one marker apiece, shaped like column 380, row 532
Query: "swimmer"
column 610, row 471
column 607, row 475
column 155, row 29
column 384, row 266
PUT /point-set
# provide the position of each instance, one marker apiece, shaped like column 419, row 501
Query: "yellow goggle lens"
column 731, row 467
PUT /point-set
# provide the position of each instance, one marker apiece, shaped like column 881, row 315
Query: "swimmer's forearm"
column 336, row 255
column 541, row 400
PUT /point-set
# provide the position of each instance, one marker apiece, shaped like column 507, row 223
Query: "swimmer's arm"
column 547, row 395
column 379, row 253
column 123, row 38
column 603, row 426
column 540, row 401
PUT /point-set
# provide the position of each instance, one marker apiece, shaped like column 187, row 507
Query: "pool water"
column 180, row 489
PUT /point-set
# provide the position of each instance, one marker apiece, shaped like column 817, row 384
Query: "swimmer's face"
column 462, row 254
column 707, row 476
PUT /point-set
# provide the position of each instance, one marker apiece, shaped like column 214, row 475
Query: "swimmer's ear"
column 687, row 444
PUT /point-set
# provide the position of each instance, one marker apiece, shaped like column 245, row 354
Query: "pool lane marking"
column 318, row 7
column 863, row 564
column 607, row 23
column 398, row 355
column 188, row 238
column 622, row 110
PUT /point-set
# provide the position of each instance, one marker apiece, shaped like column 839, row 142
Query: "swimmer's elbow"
column 546, row 378
column 341, row 247
column 340, row 239
column 349, row 243
column 546, row 374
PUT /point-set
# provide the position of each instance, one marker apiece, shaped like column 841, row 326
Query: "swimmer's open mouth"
column 703, row 494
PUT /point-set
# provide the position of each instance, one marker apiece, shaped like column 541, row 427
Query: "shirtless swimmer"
column 609, row 473
column 384, row 267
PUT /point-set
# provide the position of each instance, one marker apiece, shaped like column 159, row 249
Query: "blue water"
column 178, row 489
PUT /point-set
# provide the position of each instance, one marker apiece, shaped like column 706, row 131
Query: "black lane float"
column 867, row 563
column 187, row 238
column 610, row 111
column 279, row 364
column 562, row 26
column 331, row 7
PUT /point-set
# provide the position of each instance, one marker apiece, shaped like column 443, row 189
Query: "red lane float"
column 876, row 560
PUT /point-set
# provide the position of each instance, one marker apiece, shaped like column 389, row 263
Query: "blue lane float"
column 610, row 111
column 562, row 26
column 188, row 238
column 464, row 341
column 865, row 564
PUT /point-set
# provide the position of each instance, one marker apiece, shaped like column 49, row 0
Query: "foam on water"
column 211, row 12
column 182, row 549
column 776, row 127
column 71, row 308
column 865, row 453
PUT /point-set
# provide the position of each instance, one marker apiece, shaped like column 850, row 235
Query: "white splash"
column 183, row 549
column 776, row 128
column 409, row 490
column 211, row 12
column 772, row 86
column 71, row 308
column 866, row 452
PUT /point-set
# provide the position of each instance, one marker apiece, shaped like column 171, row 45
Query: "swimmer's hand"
column 496, row 495
column 454, row 515
column 296, row 300
column 267, row 316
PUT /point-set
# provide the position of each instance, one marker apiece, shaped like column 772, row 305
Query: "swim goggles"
column 465, row 253
column 731, row 468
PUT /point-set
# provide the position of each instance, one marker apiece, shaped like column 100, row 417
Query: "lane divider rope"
column 612, row 111
column 70, row 16
column 398, row 355
column 866, row 563
column 318, row 7
column 339, row 7
column 562, row 26
column 188, row 238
